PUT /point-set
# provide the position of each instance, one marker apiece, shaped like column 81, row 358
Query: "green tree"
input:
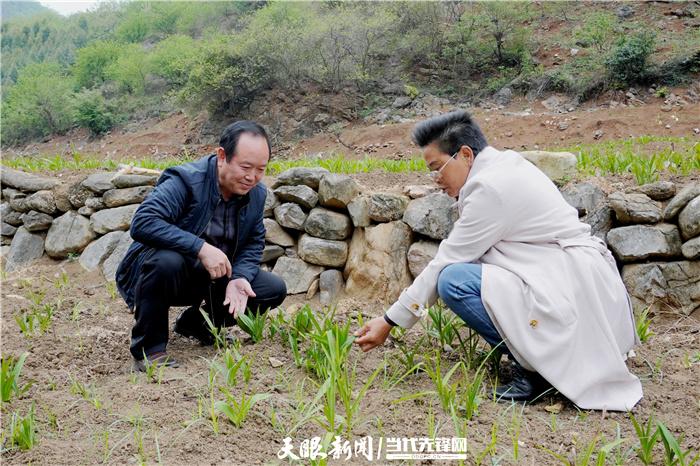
column 598, row 31
column 93, row 113
column 130, row 68
column 627, row 62
column 173, row 58
column 92, row 62
column 39, row 104
column 223, row 80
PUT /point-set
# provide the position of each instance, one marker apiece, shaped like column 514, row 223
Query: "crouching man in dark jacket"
column 199, row 236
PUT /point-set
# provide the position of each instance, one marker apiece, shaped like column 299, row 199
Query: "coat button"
column 533, row 323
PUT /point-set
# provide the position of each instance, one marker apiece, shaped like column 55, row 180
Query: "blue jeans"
column 459, row 286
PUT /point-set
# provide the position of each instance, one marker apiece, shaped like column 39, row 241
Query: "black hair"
column 450, row 131
column 231, row 134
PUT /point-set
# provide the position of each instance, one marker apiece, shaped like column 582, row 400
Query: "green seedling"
column 219, row 333
column 62, row 281
column 236, row 410
column 112, row 289
column 87, row 392
column 27, row 322
column 36, row 297
column 490, row 448
column 11, row 369
column 253, row 325
column 301, row 411
column 23, row 430
column 674, row 453
column 647, row 438
column 231, row 364
column 76, row 311
column 441, row 327
column 643, row 325
column 351, row 399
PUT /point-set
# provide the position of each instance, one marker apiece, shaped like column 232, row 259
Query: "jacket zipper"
column 210, row 217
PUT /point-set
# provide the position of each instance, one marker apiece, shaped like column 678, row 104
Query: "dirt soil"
column 88, row 343
column 88, row 339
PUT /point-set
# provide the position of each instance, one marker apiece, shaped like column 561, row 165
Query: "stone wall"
column 325, row 235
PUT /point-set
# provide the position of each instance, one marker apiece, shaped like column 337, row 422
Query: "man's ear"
column 467, row 153
column 221, row 154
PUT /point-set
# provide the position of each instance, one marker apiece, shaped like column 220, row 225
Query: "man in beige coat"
column 519, row 267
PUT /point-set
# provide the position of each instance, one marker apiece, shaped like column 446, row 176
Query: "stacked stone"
column 657, row 239
column 307, row 230
column 89, row 218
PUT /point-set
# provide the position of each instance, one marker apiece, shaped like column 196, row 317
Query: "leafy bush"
column 39, row 104
column 597, row 31
column 628, row 61
column 92, row 62
column 172, row 58
column 92, row 112
column 130, row 68
column 223, row 80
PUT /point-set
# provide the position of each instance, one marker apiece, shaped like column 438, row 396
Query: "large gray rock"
column 592, row 205
column 25, row 181
column 42, row 201
column 131, row 181
column 19, row 204
column 560, row 167
column 330, row 284
column 691, row 248
column 60, row 195
column 297, row 274
column 358, row 209
column 126, row 196
column 679, row 201
column 26, row 247
column 99, row 182
column 387, row 207
column 275, row 234
column 69, row 233
column 94, row 203
column 77, row 194
column 639, row 242
column 271, row 252
column 327, row 224
column 99, row 250
column 302, row 195
column 377, row 268
column 9, row 193
column 118, row 218
column 310, row 177
column 110, row 265
column 658, row 191
column 7, row 230
column 432, row 215
column 337, row 190
column 689, row 219
column 36, row 221
column 420, row 254
column 635, row 208
column 271, row 202
column 673, row 286
column 10, row 216
column 320, row 251
column 290, row 215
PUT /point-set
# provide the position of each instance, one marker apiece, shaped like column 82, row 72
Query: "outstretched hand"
column 237, row 293
column 372, row 334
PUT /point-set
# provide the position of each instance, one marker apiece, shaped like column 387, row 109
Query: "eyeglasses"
column 435, row 174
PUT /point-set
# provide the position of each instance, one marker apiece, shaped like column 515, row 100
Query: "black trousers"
column 170, row 279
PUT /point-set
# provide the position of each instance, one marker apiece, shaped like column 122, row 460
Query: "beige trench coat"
column 551, row 289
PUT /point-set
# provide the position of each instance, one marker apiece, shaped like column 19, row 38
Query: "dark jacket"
column 176, row 213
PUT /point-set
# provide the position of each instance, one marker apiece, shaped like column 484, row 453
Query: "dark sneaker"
column 524, row 386
column 160, row 358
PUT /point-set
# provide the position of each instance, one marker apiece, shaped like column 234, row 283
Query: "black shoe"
column 525, row 386
column 197, row 331
column 160, row 358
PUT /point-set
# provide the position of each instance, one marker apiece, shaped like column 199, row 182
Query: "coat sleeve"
column 482, row 223
column 247, row 261
column 155, row 221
